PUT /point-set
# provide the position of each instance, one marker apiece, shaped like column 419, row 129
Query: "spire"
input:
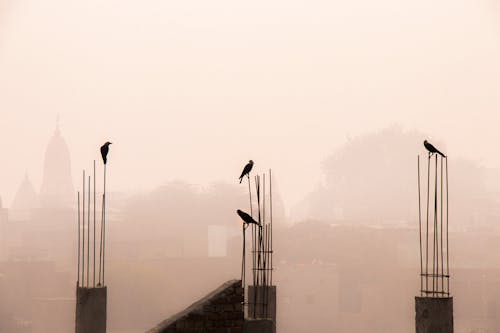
column 57, row 185
column 57, row 132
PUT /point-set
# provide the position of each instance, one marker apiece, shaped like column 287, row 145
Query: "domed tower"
column 57, row 185
column 26, row 198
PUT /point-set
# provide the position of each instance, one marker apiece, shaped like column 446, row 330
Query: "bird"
column 247, row 218
column 432, row 149
column 246, row 170
column 104, row 151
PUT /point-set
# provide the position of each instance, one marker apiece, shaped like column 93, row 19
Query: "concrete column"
column 258, row 306
column 434, row 314
column 91, row 310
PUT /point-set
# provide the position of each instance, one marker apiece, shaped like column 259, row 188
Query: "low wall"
column 219, row 311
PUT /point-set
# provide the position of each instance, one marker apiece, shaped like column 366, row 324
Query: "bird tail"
column 440, row 153
column 241, row 179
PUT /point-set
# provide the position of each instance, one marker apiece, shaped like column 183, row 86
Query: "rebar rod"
column 93, row 270
column 100, row 244
column 441, row 225
column 420, row 226
column 83, row 230
column 427, row 226
column 268, row 244
column 104, row 229
column 264, row 273
column 264, row 260
column 78, row 274
column 271, row 221
column 260, row 254
column 258, row 230
column 88, row 236
column 243, row 258
column 253, row 253
column 250, row 195
column 267, row 270
column 104, row 241
column 252, row 229
column 434, row 254
column 257, row 247
column 256, row 235
column 447, row 235
column 264, row 199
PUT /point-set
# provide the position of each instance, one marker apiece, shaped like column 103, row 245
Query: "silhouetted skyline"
column 282, row 83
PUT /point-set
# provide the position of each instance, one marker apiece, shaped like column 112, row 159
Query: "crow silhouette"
column 104, row 151
column 247, row 218
column 432, row 149
column 246, row 170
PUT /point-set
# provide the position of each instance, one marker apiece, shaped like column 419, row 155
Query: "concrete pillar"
column 258, row 307
column 434, row 314
column 259, row 326
column 91, row 310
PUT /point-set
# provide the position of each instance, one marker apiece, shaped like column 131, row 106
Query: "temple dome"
column 26, row 197
column 57, row 185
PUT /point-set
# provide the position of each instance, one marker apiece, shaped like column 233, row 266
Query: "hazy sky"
column 192, row 89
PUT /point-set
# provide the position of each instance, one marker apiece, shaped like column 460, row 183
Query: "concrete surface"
column 91, row 312
column 434, row 315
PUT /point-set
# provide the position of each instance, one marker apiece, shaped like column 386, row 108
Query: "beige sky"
column 192, row 89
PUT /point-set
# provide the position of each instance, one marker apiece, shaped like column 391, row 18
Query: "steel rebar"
column 427, row 226
column 88, row 237
column 100, row 245
column 271, row 222
column 78, row 274
column 441, row 225
column 447, row 235
column 243, row 257
column 83, row 230
column 435, row 247
column 104, row 239
column 420, row 225
column 93, row 270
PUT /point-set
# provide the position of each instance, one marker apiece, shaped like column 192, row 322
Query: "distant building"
column 57, row 189
column 57, row 185
column 3, row 224
column 25, row 200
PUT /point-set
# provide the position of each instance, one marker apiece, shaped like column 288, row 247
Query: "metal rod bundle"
column 87, row 229
column 435, row 283
column 262, row 250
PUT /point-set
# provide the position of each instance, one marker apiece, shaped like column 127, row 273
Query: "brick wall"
column 221, row 311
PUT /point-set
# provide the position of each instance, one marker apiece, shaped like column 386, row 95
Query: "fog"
column 191, row 89
column 335, row 97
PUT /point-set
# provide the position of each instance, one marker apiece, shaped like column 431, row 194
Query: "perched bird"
column 432, row 149
column 246, row 170
column 247, row 218
column 104, row 151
